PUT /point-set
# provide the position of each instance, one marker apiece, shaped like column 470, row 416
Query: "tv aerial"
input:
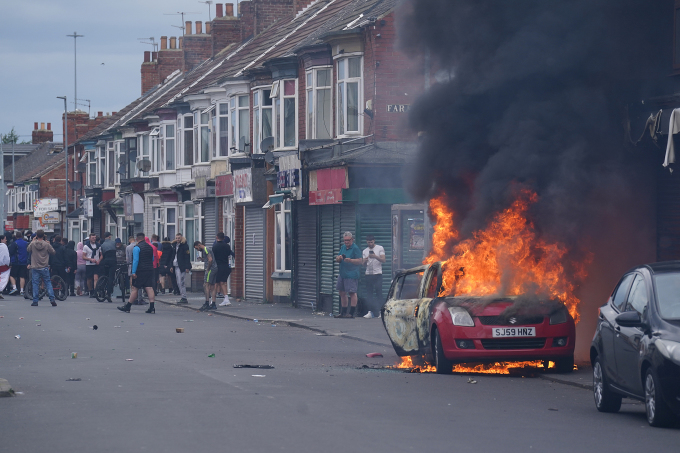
column 151, row 41
column 208, row 2
column 181, row 13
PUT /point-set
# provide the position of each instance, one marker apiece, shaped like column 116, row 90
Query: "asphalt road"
column 173, row 397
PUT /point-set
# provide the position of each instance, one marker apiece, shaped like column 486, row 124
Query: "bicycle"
column 101, row 290
column 58, row 286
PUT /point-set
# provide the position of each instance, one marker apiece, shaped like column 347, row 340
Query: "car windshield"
column 668, row 292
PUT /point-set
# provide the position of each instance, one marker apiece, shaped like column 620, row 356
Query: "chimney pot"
column 179, row 42
column 100, row 113
column 199, row 27
column 228, row 9
column 35, row 126
column 187, row 27
column 113, row 113
column 173, row 42
column 207, row 27
column 42, row 126
column 154, row 56
column 218, row 9
column 147, row 56
column 164, row 42
column 49, row 126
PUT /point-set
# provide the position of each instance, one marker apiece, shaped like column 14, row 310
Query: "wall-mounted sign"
column 224, row 186
column 288, row 178
column 9, row 225
column 243, row 185
column 128, row 207
column 397, row 108
column 332, row 196
column 201, row 187
column 43, row 205
column 46, row 227
column 50, row 217
column 88, row 207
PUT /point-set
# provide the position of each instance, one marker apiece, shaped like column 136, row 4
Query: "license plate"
column 513, row 332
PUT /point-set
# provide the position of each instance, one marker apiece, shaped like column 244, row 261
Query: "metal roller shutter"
column 254, row 239
column 334, row 221
column 376, row 219
column 306, row 256
column 209, row 223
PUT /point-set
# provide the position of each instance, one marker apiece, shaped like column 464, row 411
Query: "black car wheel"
column 441, row 363
column 565, row 364
column 658, row 412
column 605, row 399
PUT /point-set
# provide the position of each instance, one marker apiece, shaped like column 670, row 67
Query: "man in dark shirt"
column 222, row 251
column 142, row 274
column 107, row 263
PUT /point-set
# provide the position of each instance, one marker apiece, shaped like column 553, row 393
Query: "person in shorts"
column 211, row 271
column 142, row 274
column 222, row 252
column 19, row 271
column 92, row 255
column 350, row 260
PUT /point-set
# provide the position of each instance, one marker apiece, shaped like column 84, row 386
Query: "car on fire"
column 446, row 330
column 635, row 352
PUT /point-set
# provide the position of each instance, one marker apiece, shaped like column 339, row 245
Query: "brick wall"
column 258, row 15
column 197, row 49
column 225, row 31
column 239, row 247
column 54, row 189
column 150, row 76
column 169, row 60
column 41, row 136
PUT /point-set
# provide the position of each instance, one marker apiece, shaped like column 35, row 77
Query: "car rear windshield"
column 668, row 292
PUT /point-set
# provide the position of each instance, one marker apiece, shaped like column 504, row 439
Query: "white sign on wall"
column 43, row 205
column 243, row 185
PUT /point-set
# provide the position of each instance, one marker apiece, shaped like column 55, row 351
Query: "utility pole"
column 75, row 36
column 64, row 227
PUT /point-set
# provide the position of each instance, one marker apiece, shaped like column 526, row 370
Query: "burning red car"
column 447, row 330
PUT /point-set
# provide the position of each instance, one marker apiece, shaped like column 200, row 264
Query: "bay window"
column 110, row 167
column 263, row 114
column 155, row 162
column 319, row 123
column 131, row 147
column 101, row 163
column 223, row 122
column 202, row 133
column 170, row 223
column 288, row 113
column 349, row 95
column 188, row 140
column 240, row 122
column 92, row 168
column 169, row 147
column 283, row 235
column 144, row 152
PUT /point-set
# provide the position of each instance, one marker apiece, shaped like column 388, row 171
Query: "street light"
column 64, row 225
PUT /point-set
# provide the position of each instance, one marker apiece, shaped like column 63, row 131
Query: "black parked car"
column 636, row 349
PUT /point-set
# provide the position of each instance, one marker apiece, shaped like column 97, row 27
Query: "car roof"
column 660, row 267
column 413, row 269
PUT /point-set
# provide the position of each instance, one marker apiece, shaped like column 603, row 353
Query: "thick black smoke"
column 533, row 93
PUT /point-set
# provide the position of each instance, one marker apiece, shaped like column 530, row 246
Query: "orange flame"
column 507, row 258
column 490, row 368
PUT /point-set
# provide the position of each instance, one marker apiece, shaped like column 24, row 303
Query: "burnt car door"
column 399, row 312
column 607, row 326
column 627, row 339
column 430, row 291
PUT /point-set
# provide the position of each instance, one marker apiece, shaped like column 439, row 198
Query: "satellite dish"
column 21, row 205
column 82, row 168
column 144, row 165
column 267, row 145
column 75, row 185
column 269, row 157
column 121, row 170
column 132, row 155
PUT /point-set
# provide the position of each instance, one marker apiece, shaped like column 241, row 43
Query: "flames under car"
column 449, row 330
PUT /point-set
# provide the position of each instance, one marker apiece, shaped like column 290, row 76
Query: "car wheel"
column 441, row 363
column 605, row 399
column 565, row 364
column 658, row 412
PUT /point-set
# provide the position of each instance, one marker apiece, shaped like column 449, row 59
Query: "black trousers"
column 374, row 296
column 109, row 269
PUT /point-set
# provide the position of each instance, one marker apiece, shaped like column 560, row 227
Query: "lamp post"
column 64, row 231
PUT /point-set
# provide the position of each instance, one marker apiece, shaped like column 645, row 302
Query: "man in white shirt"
column 4, row 263
column 374, row 256
column 92, row 256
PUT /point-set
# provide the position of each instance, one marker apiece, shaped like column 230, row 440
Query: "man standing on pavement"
column 221, row 252
column 91, row 255
column 128, row 258
column 107, row 263
column 40, row 251
column 19, row 267
column 374, row 257
column 348, row 280
column 210, row 267
column 182, row 263
column 4, row 264
column 142, row 274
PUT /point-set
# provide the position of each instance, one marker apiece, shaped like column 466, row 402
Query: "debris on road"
column 188, row 320
column 141, row 323
column 95, row 327
column 211, row 355
column 374, row 354
column 129, row 360
column 74, row 355
column 21, row 318
column 73, row 379
column 38, row 325
column 255, row 320
column 87, row 319
column 179, row 329
column 553, row 409
column 471, row 381
column 17, row 336
column 263, row 367
column 259, row 375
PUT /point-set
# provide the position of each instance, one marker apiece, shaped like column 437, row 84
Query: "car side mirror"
column 631, row 319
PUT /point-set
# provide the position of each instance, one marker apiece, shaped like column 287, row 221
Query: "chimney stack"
column 218, row 9
column 164, row 42
column 187, row 27
column 147, row 56
column 41, row 135
column 173, row 42
column 228, row 9
column 199, row 27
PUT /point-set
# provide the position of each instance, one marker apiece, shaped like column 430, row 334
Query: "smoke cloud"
column 534, row 93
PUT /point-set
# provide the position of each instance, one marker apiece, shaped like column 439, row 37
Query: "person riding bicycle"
column 107, row 263
column 142, row 274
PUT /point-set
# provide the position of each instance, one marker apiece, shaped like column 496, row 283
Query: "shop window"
column 349, row 95
column 283, row 231
column 319, row 120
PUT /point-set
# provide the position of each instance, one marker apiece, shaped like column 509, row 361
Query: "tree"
column 11, row 137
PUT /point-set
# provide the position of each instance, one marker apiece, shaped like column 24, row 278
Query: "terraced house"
column 282, row 126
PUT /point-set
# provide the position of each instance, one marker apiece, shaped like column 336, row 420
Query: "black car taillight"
column 465, row 344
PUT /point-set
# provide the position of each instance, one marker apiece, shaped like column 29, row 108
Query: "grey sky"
column 37, row 56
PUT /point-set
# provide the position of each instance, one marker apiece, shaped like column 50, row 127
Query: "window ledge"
column 281, row 275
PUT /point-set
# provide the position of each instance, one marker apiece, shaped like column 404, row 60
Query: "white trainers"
column 369, row 315
column 225, row 303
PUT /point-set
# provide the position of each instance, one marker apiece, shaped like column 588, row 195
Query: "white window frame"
column 279, row 104
column 201, row 125
column 167, row 223
column 312, row 93
column 185, row 129
column 143, row 151
column 222, row 113
column 283, row 210
column 236, row 110
column 154, row 140
column 341, row 82
column 168, row 137
column 92, row 165
column 184, row 228
column 261, row 95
